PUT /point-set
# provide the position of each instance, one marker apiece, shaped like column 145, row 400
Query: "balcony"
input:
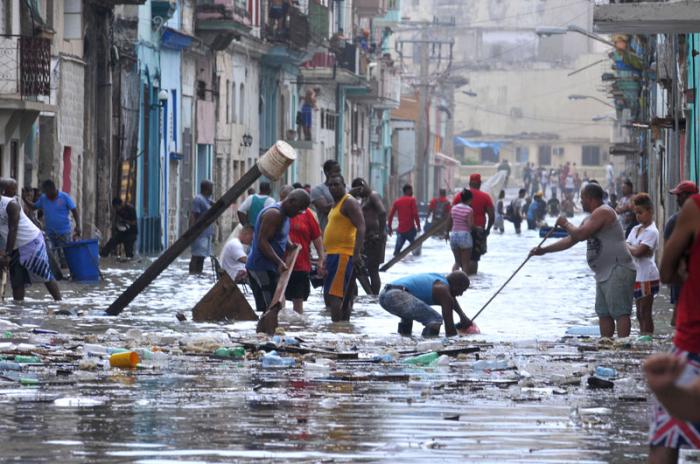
column 221, row 21
column 319, row 22
column 370, row 8
column 647, row 17
column 25, row 67
column 292, row 30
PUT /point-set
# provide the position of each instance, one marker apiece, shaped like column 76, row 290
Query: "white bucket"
column 278, row 158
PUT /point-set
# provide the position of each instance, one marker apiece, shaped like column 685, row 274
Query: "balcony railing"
column 292, row 29
column 371, row 8
column 25, row 66
column 223, row 15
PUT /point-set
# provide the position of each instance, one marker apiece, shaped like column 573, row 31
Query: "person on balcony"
column 278, row 15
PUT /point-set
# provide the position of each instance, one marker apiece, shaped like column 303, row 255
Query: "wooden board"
column 268, row 321
column 438, row 227
column 223, row 302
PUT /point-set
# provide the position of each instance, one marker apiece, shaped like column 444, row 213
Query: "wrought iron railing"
column 25, row 66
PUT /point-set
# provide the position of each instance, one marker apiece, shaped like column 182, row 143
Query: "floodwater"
column 193, row 408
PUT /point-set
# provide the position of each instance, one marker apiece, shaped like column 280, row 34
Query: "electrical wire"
column 533, row 118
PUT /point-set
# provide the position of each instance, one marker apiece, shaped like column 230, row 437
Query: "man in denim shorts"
column 411, row 298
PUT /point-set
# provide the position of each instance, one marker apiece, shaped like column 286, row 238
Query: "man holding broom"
column 607, row 257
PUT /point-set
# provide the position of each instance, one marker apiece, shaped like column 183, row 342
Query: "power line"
column 580, row 122
column 522, row 15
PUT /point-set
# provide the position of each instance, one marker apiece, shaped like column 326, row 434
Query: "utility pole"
column 433, row 69
column 423, row 123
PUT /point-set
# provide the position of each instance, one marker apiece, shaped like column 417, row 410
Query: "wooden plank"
column 268, row 321
column 181, row 244
column 439, row 227
column 223, row 302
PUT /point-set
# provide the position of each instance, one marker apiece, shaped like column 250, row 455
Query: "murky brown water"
column 197, row 409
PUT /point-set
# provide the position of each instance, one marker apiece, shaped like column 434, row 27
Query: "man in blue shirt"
column 57, row 207
column 201, row 247
column 411, row 298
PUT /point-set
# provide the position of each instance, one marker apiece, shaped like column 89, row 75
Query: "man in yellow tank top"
column 342, row 239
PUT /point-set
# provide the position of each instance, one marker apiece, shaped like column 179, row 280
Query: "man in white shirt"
column 233, row 256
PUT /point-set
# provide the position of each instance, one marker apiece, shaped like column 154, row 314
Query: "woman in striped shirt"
column 460, row 227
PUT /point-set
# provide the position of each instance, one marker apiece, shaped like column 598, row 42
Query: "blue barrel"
column 83, row 260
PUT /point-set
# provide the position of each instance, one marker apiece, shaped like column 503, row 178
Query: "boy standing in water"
column 642, row 243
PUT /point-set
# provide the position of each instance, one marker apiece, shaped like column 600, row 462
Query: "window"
column 323, row 118
column 590, row 155
column 228, row 104
column 544, row 155
column 72, row 20
column 14, row 159
column 558, row 151
column 522, row 155
column 489, row 155
column 241, row 102
column 67, row 168
column 234, row 109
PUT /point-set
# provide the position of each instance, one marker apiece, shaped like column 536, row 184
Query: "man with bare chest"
column 375, row 235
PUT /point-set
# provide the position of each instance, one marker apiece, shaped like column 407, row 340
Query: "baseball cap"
column 685, row 187
column 475, row 178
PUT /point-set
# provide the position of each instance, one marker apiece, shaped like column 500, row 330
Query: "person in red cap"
column 482, row 205
column 683, row 191
column 680, row 264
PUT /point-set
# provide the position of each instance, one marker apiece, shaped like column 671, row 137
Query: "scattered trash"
column 386, row 358
column 426, row 359
column 599, row 383
column 235, row 352
column 287, row 340
column 605, row 372
column 125, row 360
column 584, row 331
column 273, row 360
column 78, row 402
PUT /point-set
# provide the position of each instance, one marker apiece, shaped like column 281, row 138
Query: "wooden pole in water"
column 273, row 164
column 416, row 243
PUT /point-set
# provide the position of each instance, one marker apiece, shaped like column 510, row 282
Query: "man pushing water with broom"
column 607, row 257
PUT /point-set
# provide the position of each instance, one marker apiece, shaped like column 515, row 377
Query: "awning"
column 175, row 40
column 494, row 145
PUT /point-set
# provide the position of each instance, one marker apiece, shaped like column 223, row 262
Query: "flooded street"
column 185, row 406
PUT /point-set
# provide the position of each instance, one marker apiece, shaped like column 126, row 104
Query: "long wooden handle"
column 438, row 227
column 547, row 235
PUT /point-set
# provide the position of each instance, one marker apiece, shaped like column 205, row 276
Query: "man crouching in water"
column 411, row 298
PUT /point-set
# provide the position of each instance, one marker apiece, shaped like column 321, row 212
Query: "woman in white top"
column 642, row 243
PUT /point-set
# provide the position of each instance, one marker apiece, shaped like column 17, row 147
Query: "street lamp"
column 557, row 30
column 604, row 117
column 590, row 97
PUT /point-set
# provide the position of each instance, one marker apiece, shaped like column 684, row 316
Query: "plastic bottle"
column 231, row 352
column 422, row 360
column 27, row 359
column 494, row 365
column 605, row 372
column 94, row 349
column 10, row 366
column 273, row 360
column 287, row 340
column 387, row 358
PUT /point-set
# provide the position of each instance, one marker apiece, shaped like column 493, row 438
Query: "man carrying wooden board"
column 270, row 243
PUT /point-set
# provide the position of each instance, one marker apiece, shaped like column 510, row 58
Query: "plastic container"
column 387, row 358
column 273, row 360
column 605, row 372
column 27, row 359
column 422, row 360
column 10, row 366
column 83, row 260
column 287, row 340
column 232, row 352
column 494, row 365
column 127, row 360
